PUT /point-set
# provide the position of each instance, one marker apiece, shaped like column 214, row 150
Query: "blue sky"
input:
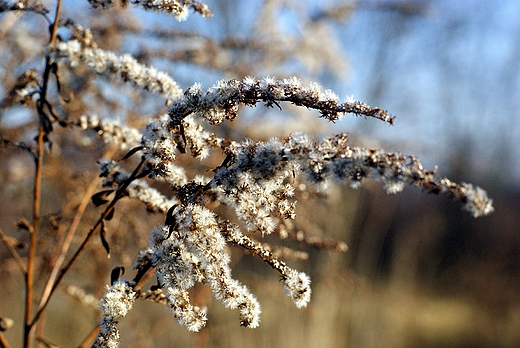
column 451, row 76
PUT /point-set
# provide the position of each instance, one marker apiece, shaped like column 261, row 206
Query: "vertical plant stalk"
column 29, row 276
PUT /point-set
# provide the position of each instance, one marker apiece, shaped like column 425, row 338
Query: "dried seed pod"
column 6, row 323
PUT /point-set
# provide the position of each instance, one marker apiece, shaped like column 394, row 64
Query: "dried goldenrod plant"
column 246, row 186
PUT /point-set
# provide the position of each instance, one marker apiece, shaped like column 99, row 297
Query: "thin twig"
column 3, row 342
column 13, row 252
column 19, row 145
column 29, row 275
column 90, row 337
column 40, row 326
column 143, row 278
column 29, row 279
column 121, row 192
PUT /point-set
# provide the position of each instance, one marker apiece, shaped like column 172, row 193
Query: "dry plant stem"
column 13, row 253
column 29, row 275
column 3, row 342
column 29, row 278
column 143, row 278
column 40, row 325
column 119, row 194
column 87, row 342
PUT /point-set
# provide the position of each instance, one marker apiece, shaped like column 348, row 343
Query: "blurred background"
column 419, row 272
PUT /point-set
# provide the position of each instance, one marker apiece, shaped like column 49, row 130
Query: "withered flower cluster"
column 256, row 181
